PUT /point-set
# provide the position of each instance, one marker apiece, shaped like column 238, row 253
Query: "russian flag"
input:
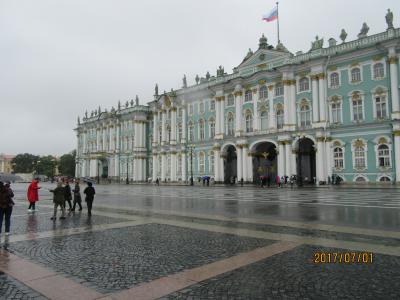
column 272, row 16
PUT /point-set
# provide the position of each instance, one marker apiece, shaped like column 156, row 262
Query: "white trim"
column 365, row 154
column 374, row 94
column 338, row 71
column 389, row 145
column 342, row 146
column 298, row 79
column 382, row 61
column 362, row 176
column 378, row 177
column 359, row 66
column 351, row 106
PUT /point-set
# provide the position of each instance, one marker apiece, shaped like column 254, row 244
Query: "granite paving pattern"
column 11, row 289
column 116, row 259
column 293, row 275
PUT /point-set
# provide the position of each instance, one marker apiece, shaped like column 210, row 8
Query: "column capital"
column 396, row 132
column 220, row 98
column 393, row 59
column 238, row 93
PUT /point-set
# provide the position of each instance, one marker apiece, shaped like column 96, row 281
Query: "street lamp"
column 191, row 148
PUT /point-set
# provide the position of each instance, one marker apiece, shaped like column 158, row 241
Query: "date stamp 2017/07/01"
column 343, row 257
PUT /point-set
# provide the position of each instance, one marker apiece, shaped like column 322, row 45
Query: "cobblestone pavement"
column 116, row 259
column 13, row 289
column 294, row 275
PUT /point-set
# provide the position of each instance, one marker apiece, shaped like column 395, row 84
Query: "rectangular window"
column 380, row 105
column 336, row 112
column 212, row 105
column 278, row 90
column 357, row 110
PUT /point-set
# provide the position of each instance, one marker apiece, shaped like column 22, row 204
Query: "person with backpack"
column 68, row 194
column 6, row 206
column 89, row 191
column 58, row 200
column 77, row 196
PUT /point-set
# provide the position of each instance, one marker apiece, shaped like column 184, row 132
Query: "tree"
column 24, row 163
column 46, row 166
column 67, row 164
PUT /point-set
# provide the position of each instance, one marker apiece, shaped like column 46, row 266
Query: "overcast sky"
column 59, row 58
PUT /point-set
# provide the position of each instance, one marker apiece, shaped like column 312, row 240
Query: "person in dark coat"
column 89, row 192
column 58, row 200
column 77, row 196
column 68, row 194
column 6, row 205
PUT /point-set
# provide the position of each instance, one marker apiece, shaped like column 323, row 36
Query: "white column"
column 163, row 166
column 328, row 157
column 292, row 104
column 249, row 168
column 216, row 165
column 118, row 137
column 238, row 111
column 163, row 127
column 315, row 100
column 116, row 166
column 103, row 146
column 286, row 103
column 184, row 120
column 322, row 101
column 222, row 117
column 288, row 154
column 397, row 153
column 239, row 152
column 184, row 166
column 281, row 158
column 245, row 163
column 271, row 119
column 217, row 116
column 256, row 118
column 173, row 126
column 155, row 128
column 173, row 166
column 394, row 86
column 155, row 167
column 320, row 160
column 98, row 133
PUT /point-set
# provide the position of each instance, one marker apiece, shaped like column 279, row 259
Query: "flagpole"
column 277, row 14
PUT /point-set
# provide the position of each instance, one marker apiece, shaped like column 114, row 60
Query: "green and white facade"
column 332, row 110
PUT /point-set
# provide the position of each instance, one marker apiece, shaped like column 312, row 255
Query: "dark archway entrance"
column 264, row 161
column 306, row 161
column 104, row 168
column 230, row 164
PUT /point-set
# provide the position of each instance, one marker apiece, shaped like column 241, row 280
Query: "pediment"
column 263, row 56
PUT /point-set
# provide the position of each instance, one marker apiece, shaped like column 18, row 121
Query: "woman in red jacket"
column 33, row 194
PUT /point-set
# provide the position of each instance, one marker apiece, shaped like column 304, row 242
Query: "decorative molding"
column 393, row 60
column 261, row 82
column 396, row 132
column 238, row 93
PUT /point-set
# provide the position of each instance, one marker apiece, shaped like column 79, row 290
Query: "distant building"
column 332, row 110
column 5, row 163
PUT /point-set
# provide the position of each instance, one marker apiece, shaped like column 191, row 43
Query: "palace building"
column 332, row 110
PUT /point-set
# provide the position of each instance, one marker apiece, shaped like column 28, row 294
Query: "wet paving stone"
column 294, row 275
column 11, row 289
column 116, row 259
column 37, row 222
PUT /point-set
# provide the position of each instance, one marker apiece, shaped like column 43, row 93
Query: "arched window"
column 380, row 107
column 201, row 130
column 211, row 162
column 334, row 79
column 338, row 158
column 357, row 106
column 279, row 117
column 191, row 133
column 248, row 96
column 264, row 120
column 212, row 128
column 278, row 89
column 249, row 121
column 263, row 92
column 230, row 125
column 384, row 179
column 304, row 84
column 305, row 115
column 379, row 71
column 383, row 156
column 359, row 157
column 180, row 132
column 201, row 162
column 360, row 179
column 355, row 75
column 231, row 100
column 201, row 107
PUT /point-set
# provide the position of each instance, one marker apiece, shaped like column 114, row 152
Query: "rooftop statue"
column 343, row 35
column 156, row 90
column 220, row 71
column 86, row 114
column 317, row 44
column 79, row 120
column 249, row 53
column 332, row 42
column 281, row 47
column 197, row 79
column 131, row 102
column 364, row 30
column 389, row 19
column 184, row 82
column 91, row 114
column 208, row 75
column 137, row 100
column 119, row 105
column 95, row 113
column 262, row 42
column 112, row 109
column 126, row 104
column 99, row 110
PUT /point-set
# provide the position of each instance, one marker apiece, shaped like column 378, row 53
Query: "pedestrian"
column 6, row 206
column 278, row 181
column 33, row 194
column 268, row 181
column 89, row 192
column 77, row 195
column 58, row 200
column 157, row 181
column 68, row 195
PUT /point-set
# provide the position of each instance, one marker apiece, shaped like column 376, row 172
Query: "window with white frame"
column 211, row 162
column 334, row 80
column 384, row 178
column 338, row 158
column 248, row 96
column 201, row 130
column 278, row 89
column 212, row 105
column 279, row 117
column 380, row 107
column 383, row 156
column 212, row 127
column 201, row 162
column 230, row 124
column 231, row 100
column 305, row 115
column 263, row 93
column 191, row 132
column 379, row 71
column 355, row 75
column 359, row 157
column 201, row 107
column 336, row 109
column 249, row 121
column 264, row 120
column 304, row 84
column 357, row 107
